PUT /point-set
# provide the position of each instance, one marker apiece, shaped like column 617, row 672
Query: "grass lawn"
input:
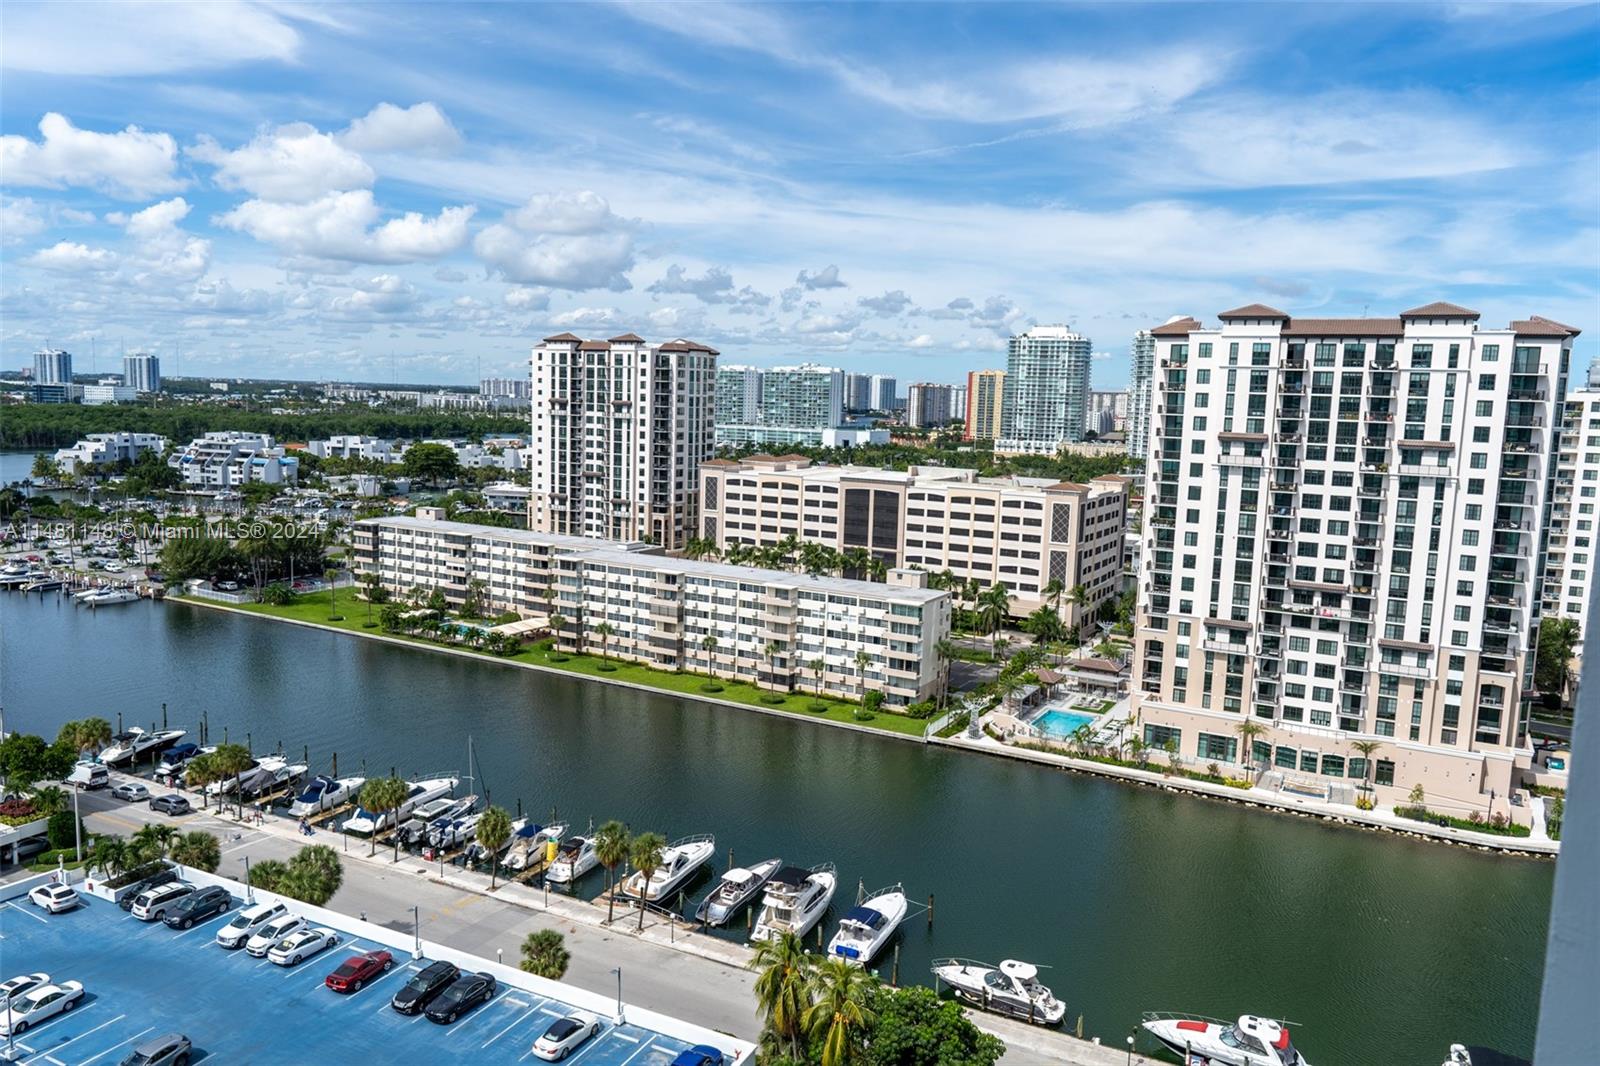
column 313, row 607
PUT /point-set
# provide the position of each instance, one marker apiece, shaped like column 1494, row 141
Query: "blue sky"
column 421, row 191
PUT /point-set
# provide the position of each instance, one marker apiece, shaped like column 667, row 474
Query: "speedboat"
column 795, row 901
column 531, row 844
column 161, row 738
column 107, row 596
column 228, row 786
column 177, row 757
column 419, row 792
column 679, row 861
column 734, row 889
column 435, row 813
column 1012, row 989
column 574, row 858
column 43, row 584
column 323, row 793
column 267, row 780
column 447, row 833
column 477, row 853
column 867, row 928
column 1250, row 1041
column 122, row 747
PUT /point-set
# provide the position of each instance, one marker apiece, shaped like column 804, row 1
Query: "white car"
column 55, row 898
column 269, row 935
column 565, row 1036
column 16, row 986
column 302, row 945
column 131, row 791
column 247, row 923
column 115, row 568
column 34, row 1007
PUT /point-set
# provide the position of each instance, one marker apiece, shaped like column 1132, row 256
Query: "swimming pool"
column 1062, row 723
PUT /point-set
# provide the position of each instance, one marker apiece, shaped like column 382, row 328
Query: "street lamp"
column 618, row 972
column 77, row 826
column 416, row 933
column 1130, row 1049
column 248, row 894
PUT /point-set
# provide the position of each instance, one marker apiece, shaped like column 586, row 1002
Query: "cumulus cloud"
column 382, row 296
column 921, row 340
column 339, row 226
column 19, row 219
column 163, row 251
column 826, row 278
column 562, row 241
column 131, row 164
column 888, row 305
column 70, row 257
column 521, row 298
column 713, row 282
column 580, row 317
column 449, row 275
column 296, row 162
column 388, row 128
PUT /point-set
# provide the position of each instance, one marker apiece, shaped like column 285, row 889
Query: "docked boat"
column 440, row 812
column 477, row 853
column 734, row 889
column 43, row 584
column 121, row 748
column 1250, row 1041
column 447, row 833
column 679, row 861
column 419, row 792
column 20, row 578
column 229, row 785
column 266, row 780
column 867, row 928
column 574, row 858
column 105, row 597
column 324, row 793
column 177, row 757
column 530, row 845
column 794, row 901
column 1011, row 988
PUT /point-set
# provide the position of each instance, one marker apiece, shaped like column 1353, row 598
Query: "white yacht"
column 794, row 901
column 1012, row 989
column 121, row 748
column 530, row 845
column 420, row 792
column 230, row 785
column 679, row 861
column 106, row 596
column 477, row 853
column 324, row 793
column 447, row 833
column 1250, row 1041
column 574, row 858
column 734, row 889
column 435, row 814
column 867, row 928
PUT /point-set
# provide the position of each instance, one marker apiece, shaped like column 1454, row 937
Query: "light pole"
column 416, row 933
column 248, row 895
column 77, row 826
column 618, row 972
column 1130, row 1049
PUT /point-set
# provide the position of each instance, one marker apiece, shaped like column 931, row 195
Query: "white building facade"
column 1143, row 354
column 52, row 366
column 104, row 449
column 229, row 459
column 1046, row 390
column 928, row 404
column 141, row 372
column 1570, row 553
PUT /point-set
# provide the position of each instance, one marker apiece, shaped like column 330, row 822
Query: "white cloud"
column 921, row 340
column 888, row 305
column 131, row 164
column 143, row 38
column 389, row 128
column 714, row 282
column 296, row 162
column 382, row 296
column 20, row 218
column 826, row 278
column 521, row 298
column 338, row 226
column 449, row 275
column 162, row 251
column 586, row 317
column 563, row 241
column 70, row 257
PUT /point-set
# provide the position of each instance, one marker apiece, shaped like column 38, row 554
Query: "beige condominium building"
column 986, row 391
column 619, row 430
column 1343, row 545
column 1023, row 531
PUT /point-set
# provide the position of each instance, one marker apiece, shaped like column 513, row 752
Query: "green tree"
column 1077, row 596
column 773, row 649
column 381, row 796
column 153, row 840
column 545, row 954
column 330, row 576
column 63, row 829
column 45, row 469
column 1248, row 732
column 111, row 856
column 863, row 660
column 604, row 631
column 994, row 607
column 313, row 875
column 646, row 852
column 1556, row 639
column 198, row 849
column 494, row 829
column 946, row 651
column 818, row 665
column 431, row 463
column 230, row 761
column 611, row 848
column 838, row 1017
column 200, row 772
column 1367, row 748
column 783, row 990
column 269, row 875
column 709, row 643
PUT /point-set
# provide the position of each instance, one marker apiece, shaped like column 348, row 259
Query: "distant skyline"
column 421, row 192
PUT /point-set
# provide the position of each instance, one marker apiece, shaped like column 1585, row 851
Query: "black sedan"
column 424, row 986
column 468, row 990
column 206, row 903
column 171, row 804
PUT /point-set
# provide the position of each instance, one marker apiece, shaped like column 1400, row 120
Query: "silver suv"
column 153, row 903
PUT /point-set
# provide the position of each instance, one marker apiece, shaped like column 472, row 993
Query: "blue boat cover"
column 529, row 831
column 866, row 916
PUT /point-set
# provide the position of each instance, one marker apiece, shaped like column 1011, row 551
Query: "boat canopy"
column 1022, row 971
column 866, row 916
column 738, row 875
column 530, row 831
column 793, row 876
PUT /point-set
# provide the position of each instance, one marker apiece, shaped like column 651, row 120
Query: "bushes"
column 1497, row 824
column 923, row 710
column 817, row 707
column 17, row 812
column 63, row 829
column 278, row 594
column 773, row 698
column 1554, row 812
column 711, row 686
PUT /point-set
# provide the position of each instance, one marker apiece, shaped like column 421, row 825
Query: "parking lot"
column 144, row 979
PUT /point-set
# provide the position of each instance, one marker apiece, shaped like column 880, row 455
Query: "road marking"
column 30, row 914
column 620, row 1035
column 201, row 925
column 643, row 1048
column 588, row 1045
column 508, row 1028
column 480, row 1012
column 80, row 1036
column 114, row 1047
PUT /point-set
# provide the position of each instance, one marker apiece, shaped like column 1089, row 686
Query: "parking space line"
column 508, row 1028
column 202, row 925
column 481, row 1013
column 589, row 1045
column 114, row 1047
column 30, row 914
column 80, row 1036
column 641, row 1050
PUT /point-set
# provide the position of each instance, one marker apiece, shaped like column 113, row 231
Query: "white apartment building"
column 1023, row 531
column 882, row 392
column 1341, row 542
column 509, row 455
column 516, row 390
column 104, row 449
column 355, row 447
column 858, row 392
column 1108, row 412
column 849, row 435
column 1143, row 354
column 108, row 392
column 619, row 430
column 141, row 372
column 1046, row 391
column 928, row 404
column 224, row 460
column 1570, row 552
column 738, row 395
column 52, row 366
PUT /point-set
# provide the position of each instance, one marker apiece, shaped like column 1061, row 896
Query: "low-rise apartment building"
column 104, row 449
column 1026, row 532
column 224, row 460
column 355, row 447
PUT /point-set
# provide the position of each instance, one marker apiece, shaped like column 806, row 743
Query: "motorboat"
column 868, row 926
column 679, row 861
column 448, row 833
column 1250, row 1041
column 794, row 901
column 43, row 584
column 158, row 740
column 1470, row 1055
column 419, row 792
column 268, row 780
column 734, row 889
column 530, row 845
column 229, row 785
column 107, row 596
column 122, row 746
column 1011, row 988
column 477, row 853
column 177, row 757
column 324, row 793
column 20, row 579
column 574, row 858
column 439, row 812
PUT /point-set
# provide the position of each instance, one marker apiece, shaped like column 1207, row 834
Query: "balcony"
column 1230, row 459
column 1424, row 470
column 1225, row 647
column 1405, row 670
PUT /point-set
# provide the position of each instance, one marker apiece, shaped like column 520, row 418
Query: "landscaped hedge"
column 1497, row 824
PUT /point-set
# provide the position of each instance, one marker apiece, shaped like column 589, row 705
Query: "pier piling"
column 930, row 910
column 894, row 969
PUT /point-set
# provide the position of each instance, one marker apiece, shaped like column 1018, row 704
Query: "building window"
column 1214, row 748
column 1385, row 772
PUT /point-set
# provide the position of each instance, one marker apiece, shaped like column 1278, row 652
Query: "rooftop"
column 521, row 536
column 750, row 574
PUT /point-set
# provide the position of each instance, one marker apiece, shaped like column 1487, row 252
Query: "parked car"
column 164, row 876
column 132, row 791
column 247, row 923
column 169, row 1049
column 426, row 984
column 699, row 1055
column 295, row 947
column 206, row 903
column 16, row 986
column 55, row 898
column 172, row 803
column 274, row 932
column 227, row 586
column 153, row 904
column 464, row 993
column 35, row 1006
column 565, row 1035
column 357, row 970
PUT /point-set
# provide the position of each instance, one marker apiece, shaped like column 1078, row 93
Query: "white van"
column 153, row 903
column 89, row 776
column 246, row 922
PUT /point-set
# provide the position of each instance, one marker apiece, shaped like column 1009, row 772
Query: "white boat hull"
column 564, row 872
column 660, row 888
column 802, row 922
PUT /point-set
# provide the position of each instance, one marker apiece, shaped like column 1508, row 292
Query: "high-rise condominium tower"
column 1143, row 351
column 1046, row 390
column 928, row 404
column 52, row 366
column 141, row 372
column 985, row 401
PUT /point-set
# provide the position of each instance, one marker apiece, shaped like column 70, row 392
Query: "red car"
column 357, row 970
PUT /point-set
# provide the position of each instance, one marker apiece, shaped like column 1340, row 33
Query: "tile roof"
column 1179, row 328
column 681, row 345
column 563, row 337
column 628, row 338
column 1440, row 309
column 1539, row 326
column 1344, row 327
column 1253, row 311
column 594, row 346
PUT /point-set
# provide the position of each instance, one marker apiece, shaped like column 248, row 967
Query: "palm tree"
column 200, row 772
column 1248, row 731
column 709, row 643
column 380, row 796
column 863, row 660
column 646, row 851
column 817, row 666
column 111, row 855
column 313, row 875
column 494, row 829
column 877, row 569
column 557, row 623
column 839, row 1016
column 994, row 607
column 772, row 649
column 269, row 875
column 48, row 799
column 946, row 651
column 333, row 591
column 152, row 840
column 231, row 760
column 783, row 989
column 198, row 849
column 1052, row 593
column 545, row 954
column 855, row 560
column 1367, row 748
column 1077, row 596
column 611, row 848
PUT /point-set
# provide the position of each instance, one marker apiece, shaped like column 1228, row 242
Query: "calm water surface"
column 1383, row 949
